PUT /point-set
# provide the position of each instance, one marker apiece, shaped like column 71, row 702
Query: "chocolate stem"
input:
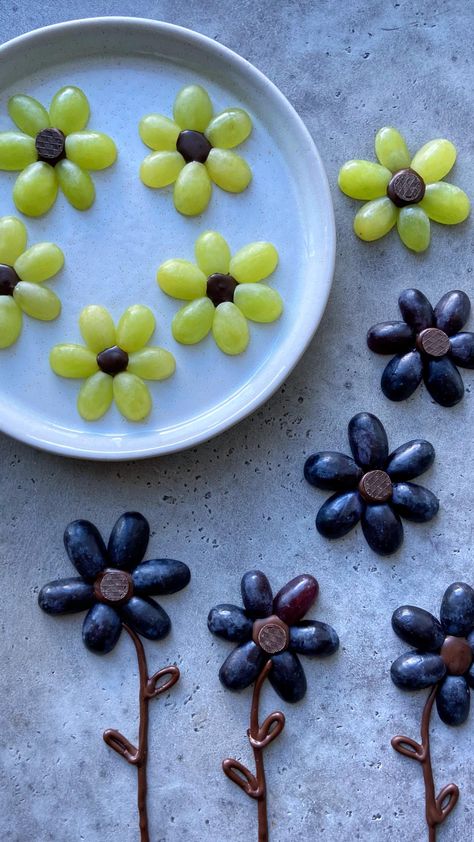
column 438, row 807
column 259, row 737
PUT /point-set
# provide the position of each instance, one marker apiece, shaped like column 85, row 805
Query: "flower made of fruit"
column 114, row 361
column 373, row 487
column 53, row 150
column 428, row 345
column 22, row 273
column 195, row 149
column 223, row 291
column 404, row 191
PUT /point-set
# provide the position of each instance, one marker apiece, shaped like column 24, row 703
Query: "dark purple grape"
column 229, row 622
column 331, row 470
column 416, row 670
column 257, row 594
column 310, row 637
column 295, row 598
column 401, row 376
column 287, row 677
column 242, row 666
column 452, row 311
column 418, row 628
column 85, row 548
column 146, row 617
column 390, row 338
column 66, row 596
column 410, row 460
column 457, row 609
column 443, row 381
column 414, row 502
column 453, row 700
column 160, row 576
column 128, row 540
column 368, row 441
column 416, row 309
column 338, row 515
column 382, row 528
column 101, row 628
column 462, row 349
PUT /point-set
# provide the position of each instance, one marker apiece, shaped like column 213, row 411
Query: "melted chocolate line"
column 438, row 807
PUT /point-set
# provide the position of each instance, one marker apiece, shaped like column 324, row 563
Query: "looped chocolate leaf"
column 447, row 800
column 153, row 689
column 240, row 775
column 268, row 731
column 409, row 748
column 121, row 745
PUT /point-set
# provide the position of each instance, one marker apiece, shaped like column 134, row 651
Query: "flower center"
column 433, row 342
column 220, row 288
column 376, row 487
column 406, row 187
column 456, row 654
column 8, row 279
column 112, row 360
column 50, row 146
column 193, row 146
column 113, row 587
column 271, row 634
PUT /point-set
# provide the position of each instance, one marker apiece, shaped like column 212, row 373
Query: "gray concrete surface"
column 240, row 501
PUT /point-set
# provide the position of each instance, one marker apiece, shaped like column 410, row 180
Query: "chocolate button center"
column 376, row 487
column 50, row 146
column 271, row 634
column 220, row 288
column 113, row 586
column 433, row 342
column 112, row 360
column 193, row 146
column 406, row 187
column 8, row 279
column 456, row 654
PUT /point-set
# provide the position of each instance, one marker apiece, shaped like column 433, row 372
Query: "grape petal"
column 434, row 160
column 152, row 364
column 230, row 623
column 242, row 666
column 69, row 110
column 95, row 396
column 445, row 203
column 86, row 549
column 28, row 114
column 287, row 677
column 66, row 596
column 418, row 628
column 132, row 396
column 39, row 263
column 256, row 594
column 161, row 168
column 417, row 670
column 443, row 381
column 91, row 150
column 229, row 128
column 457, row 609
column 228, row 170
column 462, row 349
column 296, row 597
column 181, row 279
column 414, row 502
column 159, row 133
column 453, row 700
column 382, row 529
column 193, row 322
column 402, row 376
column 146, row 617
column 375, row 219
column 73, row 361
column 414, row 228
column 452, row 311
column 332, row 471
column 254, row 262
column 416, row 309
column 390, row 338
column 368, row 441
column 35, row 189
column 363, row 179
column 212, row 253
column 101, row 629
column 11, row 321
column 311, row 638
column 136, row 326
column 17, row 151
column 410, row 460
column 97, row 328
column 13, row 239
column 76, row 184
column 258, row 303
column 160, row 576
column 230, row 329
column 391, row 149
column 338, row 515
column 128, row 540
column 193, row 108
column 37, row 301
column 192, row 189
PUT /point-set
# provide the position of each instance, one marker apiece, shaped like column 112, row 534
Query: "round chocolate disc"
column 433, row 342
column 8, row 279
column 112, row 360
column 457, row 655
column 50, row 146
column 220, row 288
column 406, row 187
column 271, row 634
column 376, row 487
column 113, row 586
column 193, row 146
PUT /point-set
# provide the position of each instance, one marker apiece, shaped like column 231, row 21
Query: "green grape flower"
column 404, row 191
column 115, row 361
column 195, row 149
column 222, row 291
column 53, row 149
column 22, row 273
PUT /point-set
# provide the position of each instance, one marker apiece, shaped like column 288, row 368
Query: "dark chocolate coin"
column 8, row 279
column 193, row 146
column 271, row 634
column 113, row 586
column 220, row 288
column 50, row 146
column 376, row 487
column 433, row 342
column 112, row 360
column 457, row 655
column 406, row 187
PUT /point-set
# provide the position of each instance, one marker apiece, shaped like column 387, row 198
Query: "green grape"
column 35, row 189
column 73, row 361
column 212, row 253
column 39, row 263
column 192, row 190
column 132, row 396
column 76, row 184
column 193, row 108
column 135, row 328
column 363, row 179
column 161, row 168
column 11, row 320
column 414, row 228
column 97, row 328
column 229, row 128
column 181, row 279
column 37, row 301
column 391, row 150
column 17, row 151
column 445, row 203
column 434, row 160
column 159, row 133
column 91, row 150
column 95, row 396
column 13, row 239
column 254, row 262
column 152, row 364
column 375, row 219
column 193, row 322
column 258, row 303
column 69, row 110
column 230, row 329
column 28, row 114
column 228, row 170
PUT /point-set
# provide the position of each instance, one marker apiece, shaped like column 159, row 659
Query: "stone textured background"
column 240, row 500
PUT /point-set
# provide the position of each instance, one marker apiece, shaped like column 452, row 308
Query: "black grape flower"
column 429, row 345
column 374, row 487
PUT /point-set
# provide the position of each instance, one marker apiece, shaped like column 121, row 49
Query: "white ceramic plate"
column 129, row 67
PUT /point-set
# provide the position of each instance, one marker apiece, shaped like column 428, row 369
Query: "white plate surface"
column 129, row 67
